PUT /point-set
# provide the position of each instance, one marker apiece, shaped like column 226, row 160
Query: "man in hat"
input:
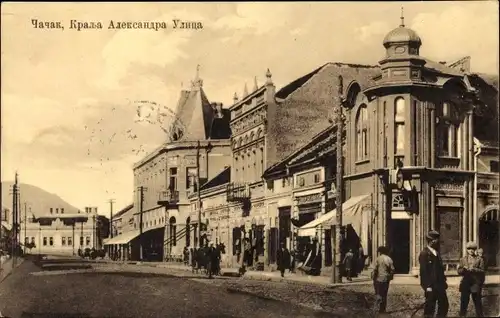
column 283, row 259
column 471, row 268
column 432, row 278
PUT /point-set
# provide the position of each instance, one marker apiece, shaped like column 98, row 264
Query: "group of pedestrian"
column 207, row 257
column 433, row 279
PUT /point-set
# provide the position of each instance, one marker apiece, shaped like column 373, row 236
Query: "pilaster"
column 432, row 140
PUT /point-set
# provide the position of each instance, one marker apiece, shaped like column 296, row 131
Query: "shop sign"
column 449, row 201
column 317, row 197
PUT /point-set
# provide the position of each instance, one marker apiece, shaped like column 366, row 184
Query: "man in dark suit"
column 432, row 278
column 283, row 259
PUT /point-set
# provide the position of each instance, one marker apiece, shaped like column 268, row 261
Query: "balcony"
column 487, row 187
column 168, row 198
column 238, row 192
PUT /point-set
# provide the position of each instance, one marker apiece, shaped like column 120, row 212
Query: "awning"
column 350, row 213
column 123, row 238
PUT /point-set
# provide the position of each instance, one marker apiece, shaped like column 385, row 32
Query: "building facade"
column 233, row 202
column 199, row 148
column 487, row 206
column 64, row 233
column 409, row 158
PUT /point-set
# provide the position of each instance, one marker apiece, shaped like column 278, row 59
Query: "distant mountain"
column 38, row 199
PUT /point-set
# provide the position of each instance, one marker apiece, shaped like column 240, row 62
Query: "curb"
column 20, row 260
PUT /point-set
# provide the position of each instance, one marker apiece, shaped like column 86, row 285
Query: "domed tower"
column 402, row 61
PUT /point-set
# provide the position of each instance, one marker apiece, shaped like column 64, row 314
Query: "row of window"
column 64, row 240
column 247, row 139
column 448, row 130
column 249, row 167
column 57, row 210
column 152, row 222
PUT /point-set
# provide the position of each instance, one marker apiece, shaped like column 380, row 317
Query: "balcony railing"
column 168, row 197
column 487, row 187
column 237, row 192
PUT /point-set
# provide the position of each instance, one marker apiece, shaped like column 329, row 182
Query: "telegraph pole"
column 94, row 232
column 111, row 201
column 15, row 212
column 25, row 219
column 141, row 203
column 198, row 190
column 336, row 230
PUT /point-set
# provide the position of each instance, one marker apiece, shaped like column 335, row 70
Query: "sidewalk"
column 300, row 278
column 7, row 266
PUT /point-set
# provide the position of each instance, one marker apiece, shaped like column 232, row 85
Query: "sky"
column 70, row 118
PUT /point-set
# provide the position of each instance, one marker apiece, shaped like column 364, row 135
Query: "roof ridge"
column 311, row 75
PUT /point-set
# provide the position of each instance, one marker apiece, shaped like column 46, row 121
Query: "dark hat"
column 433, row 235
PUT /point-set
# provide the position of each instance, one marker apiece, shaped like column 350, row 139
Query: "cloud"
column 259, row 17
column 375, row 30
column 23, row 117
column 443, row 33
column 146, row 47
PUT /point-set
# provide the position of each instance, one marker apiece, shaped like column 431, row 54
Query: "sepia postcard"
column 250, row 159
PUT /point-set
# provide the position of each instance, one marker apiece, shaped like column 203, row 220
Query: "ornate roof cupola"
column 402, row 61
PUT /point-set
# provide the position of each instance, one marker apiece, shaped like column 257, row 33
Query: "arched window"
column 449, row 131
column 259, row 133
column 236, row 175
column 255, row 170
column 173, row 231
column 398, row 202
column 399, row 127
column 240, row 140
column 249, row 176
column 362, row 133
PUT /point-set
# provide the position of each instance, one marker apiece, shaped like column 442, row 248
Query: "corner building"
column 410, row 143
column 168, row 175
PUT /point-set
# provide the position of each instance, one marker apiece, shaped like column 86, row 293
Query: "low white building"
column 61, row 233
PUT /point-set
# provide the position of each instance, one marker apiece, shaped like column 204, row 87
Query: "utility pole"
column 94, row 232
column 81, row 235
column 73, row 238
column 336, row 229
column 198, row 191
column 141, row 204
column 25, row 219
column 15, row 213
column 111, row 201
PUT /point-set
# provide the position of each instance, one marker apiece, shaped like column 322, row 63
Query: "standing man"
column 432, row 278
column 283, row 259
column 382, row 275
column 348, row 264
column 471, row 268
